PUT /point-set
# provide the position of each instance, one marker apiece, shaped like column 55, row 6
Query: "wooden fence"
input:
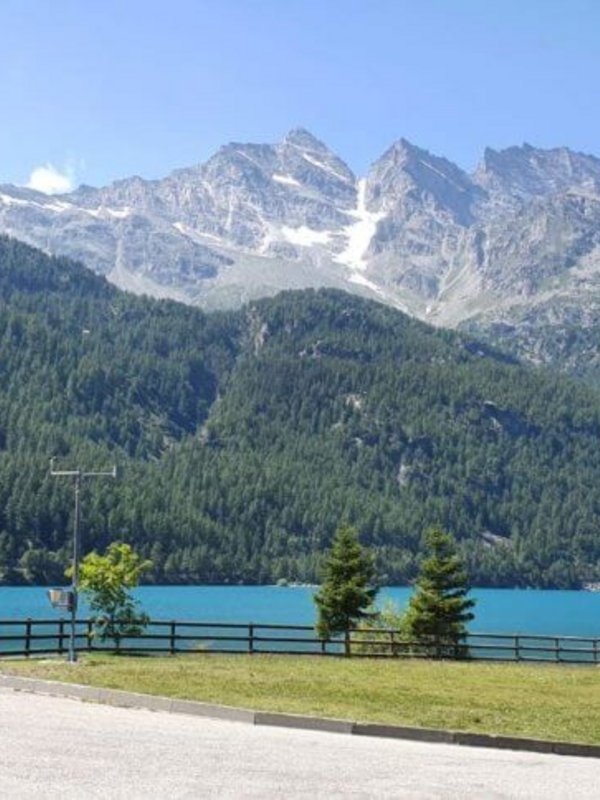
column 32, row 637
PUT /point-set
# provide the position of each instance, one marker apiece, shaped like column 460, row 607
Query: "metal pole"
column 75, row 580
column 78, row 476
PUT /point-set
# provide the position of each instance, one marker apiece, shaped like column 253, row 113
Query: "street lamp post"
column 78, row 475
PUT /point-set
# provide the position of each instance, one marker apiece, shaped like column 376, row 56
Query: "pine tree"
column 439, row 609
column 347, row 590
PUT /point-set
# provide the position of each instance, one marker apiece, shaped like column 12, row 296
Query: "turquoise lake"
column 568, row 613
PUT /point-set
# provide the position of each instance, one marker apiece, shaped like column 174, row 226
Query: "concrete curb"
column 115, row 697
column 305, row 723
column 403, row 732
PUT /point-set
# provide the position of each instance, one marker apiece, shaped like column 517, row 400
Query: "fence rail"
column 32, row 637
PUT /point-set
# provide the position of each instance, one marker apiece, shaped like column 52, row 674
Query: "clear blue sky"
column 110, row 88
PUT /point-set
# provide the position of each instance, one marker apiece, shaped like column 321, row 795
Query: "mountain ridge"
column 520, row 234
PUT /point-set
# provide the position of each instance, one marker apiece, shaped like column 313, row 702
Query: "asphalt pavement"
column 61, row 748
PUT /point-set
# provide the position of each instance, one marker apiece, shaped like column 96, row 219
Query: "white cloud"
column 50, row 180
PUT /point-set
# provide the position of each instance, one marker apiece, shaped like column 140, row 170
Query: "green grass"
column 544, row 701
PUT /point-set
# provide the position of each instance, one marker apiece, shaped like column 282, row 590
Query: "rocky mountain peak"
column 244, row 156
column 407, row 169
column 525, row 171
column 402, row 151
column 300, row 137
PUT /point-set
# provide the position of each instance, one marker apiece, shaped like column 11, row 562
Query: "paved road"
column 61, row 748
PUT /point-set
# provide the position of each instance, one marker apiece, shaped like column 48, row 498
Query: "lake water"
column 568, row 613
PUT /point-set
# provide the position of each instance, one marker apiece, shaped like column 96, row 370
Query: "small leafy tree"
column 439, row 609
column 106, row 580
column 347, row 591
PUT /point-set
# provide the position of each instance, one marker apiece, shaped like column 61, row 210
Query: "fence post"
column 595, row 651
column 117, row 641
column 347, row 643
column 172, row 637
column 517, row 648
column 27, row 636
column 557, row 648
column 250, row 638
column 392, row 644
column 89, row 635
column 61, row 636
column 323, row 646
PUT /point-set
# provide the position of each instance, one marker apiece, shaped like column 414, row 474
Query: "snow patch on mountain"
column 360, row 280
column 325, row 167
column 360, row 233
column 443, row 175
column 286, row 179
column 56, row 206
column 306, row 237
column 60, row 207
column 102, row 212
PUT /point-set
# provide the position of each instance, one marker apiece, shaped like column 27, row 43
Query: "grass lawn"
column 544, row 701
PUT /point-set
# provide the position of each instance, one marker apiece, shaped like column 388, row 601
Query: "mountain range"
column 510, row 252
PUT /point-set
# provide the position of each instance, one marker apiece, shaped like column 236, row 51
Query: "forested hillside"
column 244, row 438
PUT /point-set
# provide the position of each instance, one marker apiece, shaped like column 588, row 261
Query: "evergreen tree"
column 347, row 591
column 439, row 609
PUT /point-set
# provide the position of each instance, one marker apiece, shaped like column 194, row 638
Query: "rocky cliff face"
column 517, row 240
